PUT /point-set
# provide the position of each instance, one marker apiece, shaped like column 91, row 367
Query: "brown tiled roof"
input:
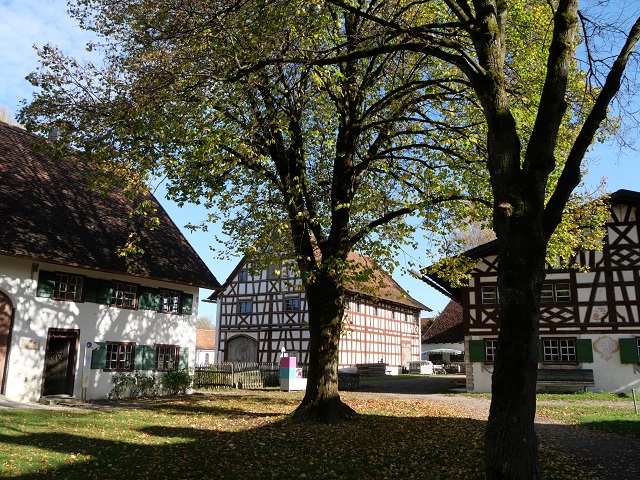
column 447, row 327
column 49, row 214
column 379, row 286
column 205, row 339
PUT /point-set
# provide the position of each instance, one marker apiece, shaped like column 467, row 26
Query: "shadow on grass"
column 195, row 440
column 369, row 447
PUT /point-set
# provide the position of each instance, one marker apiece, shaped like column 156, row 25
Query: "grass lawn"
column 604, row 411
column 249, row 435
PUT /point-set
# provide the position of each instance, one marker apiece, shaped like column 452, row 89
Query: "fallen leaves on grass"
column 251, row 436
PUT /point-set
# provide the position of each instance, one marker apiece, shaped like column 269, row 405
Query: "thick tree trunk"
column 325, row 297
column 511, row 442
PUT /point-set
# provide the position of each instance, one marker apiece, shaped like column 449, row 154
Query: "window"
column 291, row 304
column 489, row 295
column 68, row 287
column 490, row 347
column 243, row 276
column 167, row 357
column 245, row 306
column 559, row 350
column 169, row 301
column 358, row 306
column 375, row 310
column 120, row 356
column 206, row 358
column 555, row 292
column 125, row 295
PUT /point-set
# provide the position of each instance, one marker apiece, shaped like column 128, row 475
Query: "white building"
column 590, row 321
column 72, row 311
column 259, row 313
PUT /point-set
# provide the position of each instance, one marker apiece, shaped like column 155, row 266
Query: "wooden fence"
column 254, row 375
column 237, row 375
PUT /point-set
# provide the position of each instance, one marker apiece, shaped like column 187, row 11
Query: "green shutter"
column 99, row 356
column 476, row 350
column 184, row 358
column 145, row 357
column 98, row 291
column 628, row 350
column 149, row 362
column 584, row 352
column 149, row 299
column 187, row 303
column 46, row 284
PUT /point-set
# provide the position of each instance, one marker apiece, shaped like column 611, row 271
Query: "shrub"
column 121, row 383
column 176, row 381
column 134, row 383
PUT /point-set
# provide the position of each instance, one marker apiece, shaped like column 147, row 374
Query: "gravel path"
column 609, row 456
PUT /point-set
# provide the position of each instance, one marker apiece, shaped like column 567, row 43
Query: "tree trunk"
column 511, row 442
column 325, row 297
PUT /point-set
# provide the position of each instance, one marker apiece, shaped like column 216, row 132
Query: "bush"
column 176, row 381
column 134, row 383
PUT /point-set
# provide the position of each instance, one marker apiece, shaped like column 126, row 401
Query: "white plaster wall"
column 201, row 355
column 610, row 375
column 481, row 377
column 33, row 316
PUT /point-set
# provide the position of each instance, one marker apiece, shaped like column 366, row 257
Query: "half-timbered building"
column 262, row 312
column 73, row 312
column 589, row 320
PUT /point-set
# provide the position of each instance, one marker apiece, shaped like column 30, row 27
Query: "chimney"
column 54, row 134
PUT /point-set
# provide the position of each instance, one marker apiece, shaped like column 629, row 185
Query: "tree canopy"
column 317, row 127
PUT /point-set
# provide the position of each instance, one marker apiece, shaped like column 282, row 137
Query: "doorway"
column 6, row 318
column 60, row 361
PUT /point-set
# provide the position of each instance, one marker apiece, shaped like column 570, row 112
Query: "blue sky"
column 24, row 23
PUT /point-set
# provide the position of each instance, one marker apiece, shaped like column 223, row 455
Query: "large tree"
column 532, row 172
column 302, row 160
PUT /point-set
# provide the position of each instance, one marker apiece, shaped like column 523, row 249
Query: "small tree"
column 205, row 323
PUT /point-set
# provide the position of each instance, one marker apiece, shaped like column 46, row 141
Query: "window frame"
column 552, row 293
column 171, row 293
column 286, row 304
column 490, row 349
column 55, row 294
column 241, row 310
column 176, row 357
column 557, row 357
column 120, row 345
column 114, row 295
column 491, row 294
column 243, row 275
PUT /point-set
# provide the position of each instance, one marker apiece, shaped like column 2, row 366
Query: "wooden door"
column 406, row 354
column 6, row 314
column 60, row 361
column 242, row 349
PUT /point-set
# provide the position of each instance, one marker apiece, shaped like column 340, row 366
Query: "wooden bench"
column 565, row 377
